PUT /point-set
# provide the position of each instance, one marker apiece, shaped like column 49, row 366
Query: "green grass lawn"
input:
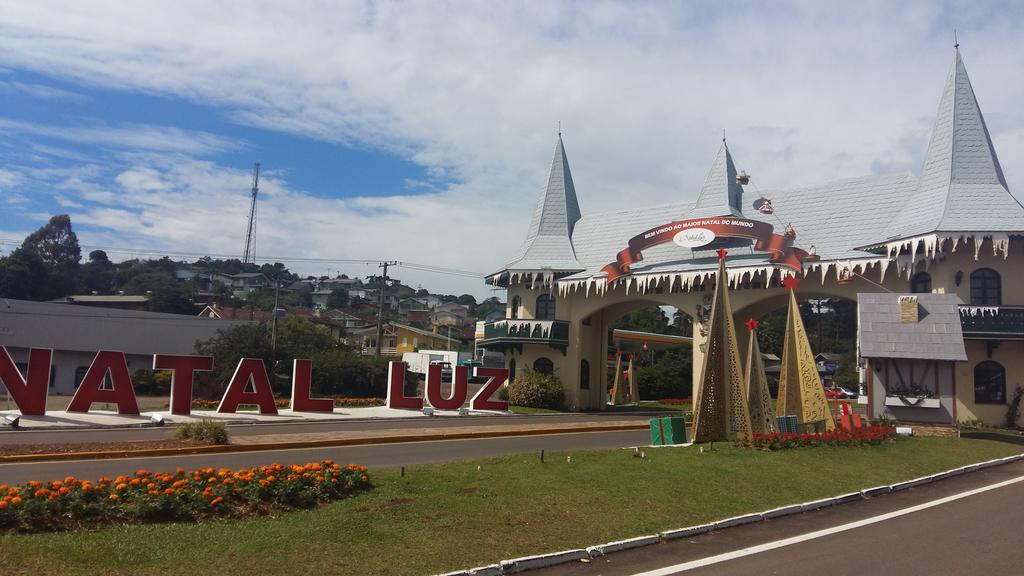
column 443, row 517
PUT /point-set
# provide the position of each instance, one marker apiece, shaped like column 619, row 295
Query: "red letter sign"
column 460, row 386
column 482, row 401
column 249, row 370
column 182, row 369
column 29, row 393
column 396, row 389
column 302, row 381
column 91, row 389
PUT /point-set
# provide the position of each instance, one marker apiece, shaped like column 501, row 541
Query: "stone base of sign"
column 111, row 419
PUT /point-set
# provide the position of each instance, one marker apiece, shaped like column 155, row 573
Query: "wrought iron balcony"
column 991, row 322
column 507, row 333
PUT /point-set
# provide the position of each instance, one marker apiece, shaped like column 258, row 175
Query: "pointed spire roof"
column 548, row 242
column 962, row 187
column 721, row 195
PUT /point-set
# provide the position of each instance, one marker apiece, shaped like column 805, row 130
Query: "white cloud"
column 808, row 92
column 126, row 137
column 10, row 179
column 39, row 91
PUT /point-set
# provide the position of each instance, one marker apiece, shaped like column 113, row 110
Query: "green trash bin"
column 668, row 430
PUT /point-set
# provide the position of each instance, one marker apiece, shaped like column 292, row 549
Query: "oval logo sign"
column 694, row 237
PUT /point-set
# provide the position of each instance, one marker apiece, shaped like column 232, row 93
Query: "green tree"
column 165, row 293
column 23, row 275
column 669, row 375
column 56, row 247
column 650, row 319
column 97, row 275
column 338, row 298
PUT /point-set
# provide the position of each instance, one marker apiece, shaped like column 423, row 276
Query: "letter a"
column 29, row 393
column 91, row 389
column 249, row 370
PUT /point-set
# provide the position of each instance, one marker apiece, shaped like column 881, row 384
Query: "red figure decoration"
column 721, row 253
column 790, row 282
column 752, row 324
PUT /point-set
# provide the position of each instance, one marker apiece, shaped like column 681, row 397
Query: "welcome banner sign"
column 699, row 232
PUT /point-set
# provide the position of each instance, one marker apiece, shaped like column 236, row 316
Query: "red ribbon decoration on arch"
column 763, row 234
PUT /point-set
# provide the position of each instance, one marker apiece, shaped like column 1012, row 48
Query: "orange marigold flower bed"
column 180, row 495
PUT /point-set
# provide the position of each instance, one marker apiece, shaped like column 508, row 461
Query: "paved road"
column 376, row 456
column 978, row 534
column 131, row 434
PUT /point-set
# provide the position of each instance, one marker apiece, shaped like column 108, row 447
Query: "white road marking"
column 700, row 563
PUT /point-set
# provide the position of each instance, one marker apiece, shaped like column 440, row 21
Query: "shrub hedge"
column 536, row 390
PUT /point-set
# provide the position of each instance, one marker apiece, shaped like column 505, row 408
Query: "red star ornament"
column 790, row 282
column 721, row 253
column 752, row 324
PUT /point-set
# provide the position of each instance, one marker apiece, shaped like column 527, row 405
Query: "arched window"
column 921, row 283
column 545, row 307
column 989, row 383
column 511, row 370
column 517, row 303
column 985, row 288
column 544, row 366
column 584, row 375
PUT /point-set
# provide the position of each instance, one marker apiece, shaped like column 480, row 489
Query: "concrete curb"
column 545, row 560
column 360, row 441
column 602, row 549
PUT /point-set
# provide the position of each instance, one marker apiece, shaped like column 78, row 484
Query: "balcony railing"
column 503, row 333
column 992, row 321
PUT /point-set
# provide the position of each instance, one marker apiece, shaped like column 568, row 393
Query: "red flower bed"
column 675, row 401
column 149, row 497
column 866, row 436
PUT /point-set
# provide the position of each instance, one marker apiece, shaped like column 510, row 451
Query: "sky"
column 422, row 132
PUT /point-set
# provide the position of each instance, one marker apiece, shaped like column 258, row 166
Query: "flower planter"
column 911, row 402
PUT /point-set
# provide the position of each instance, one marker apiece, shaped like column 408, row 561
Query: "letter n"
column 91, row 389
column 249, row 370
column 29, row 393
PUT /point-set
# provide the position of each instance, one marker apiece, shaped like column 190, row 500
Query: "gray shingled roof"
column 962, row 187
column 936, row 336
column 548, row 242
column 721, row 195
column 833, row 217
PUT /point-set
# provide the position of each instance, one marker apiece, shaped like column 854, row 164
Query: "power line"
column 136, row 252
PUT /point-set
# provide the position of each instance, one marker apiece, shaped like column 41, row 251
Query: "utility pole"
column 250, row 236
column 273, row 327
column 380, row 303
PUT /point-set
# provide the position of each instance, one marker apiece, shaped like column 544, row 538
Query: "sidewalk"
column 286, row 441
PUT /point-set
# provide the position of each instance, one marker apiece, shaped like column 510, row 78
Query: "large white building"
column 953, row 229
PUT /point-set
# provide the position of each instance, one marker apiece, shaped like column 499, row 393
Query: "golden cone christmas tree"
column 720, row 411
column 800, row 391
column 759, row 400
